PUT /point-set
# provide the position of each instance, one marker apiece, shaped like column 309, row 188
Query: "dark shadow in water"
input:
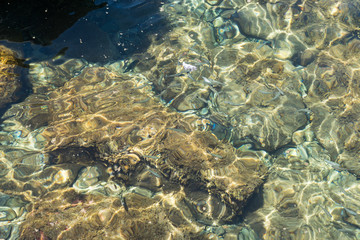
column 40, row 21
column 36, row 22
column 99, row 31
column 255, row 202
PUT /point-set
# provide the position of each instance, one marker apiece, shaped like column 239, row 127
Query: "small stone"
column 7, row 214
column 204, row 111
column 213, row 2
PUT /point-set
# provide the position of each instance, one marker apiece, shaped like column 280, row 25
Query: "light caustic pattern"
column 260, row 88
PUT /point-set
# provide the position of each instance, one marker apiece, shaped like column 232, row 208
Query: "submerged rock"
column 9, row 78
column 142, row 211
column 12, row 213
column 333, row 98
column 128, row 129
column 70, row 215
column 44, row 76
column 305, row 193
column 253, row 22
column 245, row 94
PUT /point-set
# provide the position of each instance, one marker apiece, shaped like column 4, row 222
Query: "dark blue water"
column 99, row 31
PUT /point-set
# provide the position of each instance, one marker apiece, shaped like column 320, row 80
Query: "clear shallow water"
column 225, row 100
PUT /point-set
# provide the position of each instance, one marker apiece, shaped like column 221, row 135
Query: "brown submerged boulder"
column 70, row 215
column 116, row 115
column 9, row 82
